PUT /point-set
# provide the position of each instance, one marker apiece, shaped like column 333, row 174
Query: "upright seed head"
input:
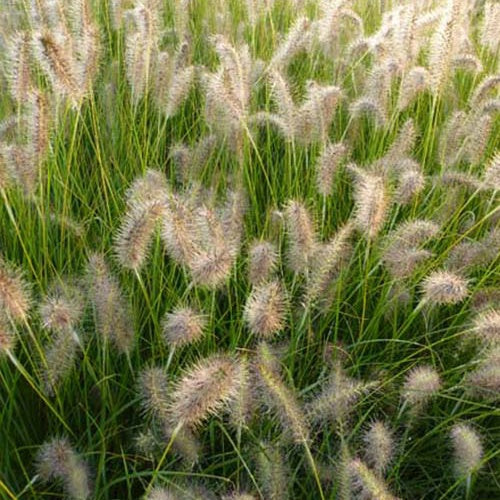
column 379, row 446
column 15, row 296
column 205, row 389
column 154, row 392
column 60, row 356
column 444, row 288
column 467, row 449
column 372, row 203
column 327, row 165
column 420, row 385
column 337, row 398
column 273, row 474
column 62, row 308
column 484, row 381
column 58, row 460
column 265, row 309
column 486, row 327
column 367, row 483
column 134, row 236
column 263, row 259
column 302, row 236
column 279, row 398
column 183, row 326
column 113, row 315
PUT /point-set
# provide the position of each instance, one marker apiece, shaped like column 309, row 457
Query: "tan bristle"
column 265, row 309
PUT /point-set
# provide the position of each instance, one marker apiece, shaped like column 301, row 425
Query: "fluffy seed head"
column 184, row 325
column 265, row 309
column 153, row 389
column 484, row 381
column 15, row 296
column 302, row 236
column 263, row 258
column 372, row 203
column 62, row 308
column 420, row 385
column 467, row 449
column 486, row 326
column 112, row 311
column 337, row 398
column 379, row 446
column 205, row 389
column 7, row 336
column 367, row 483
column 60, row 356
column 134, row 236
column 279, row 398
column 58, row 460
column 444, row 288
column 273, row 474
column 327, row 165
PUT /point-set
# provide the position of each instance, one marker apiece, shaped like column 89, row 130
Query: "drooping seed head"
column 184, row 325
column 444, row 288
column 467, row 449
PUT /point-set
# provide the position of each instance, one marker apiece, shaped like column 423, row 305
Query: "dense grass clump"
column 249, row 249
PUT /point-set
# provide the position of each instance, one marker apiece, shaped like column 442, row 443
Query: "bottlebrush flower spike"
column 338, row 397
column 134, row 236
column 15, row 294
column 303, row 241
column 265, row 309
column 379, row 446
column 372, row 202
column 205, row 389
column 59, row 360
column 58, row 460
column 18, row 65
column 420, row 385
column 154, row 392
column 486, row 327
column 273, row 474
column 280, row 399
column 61, row 310
column 263, row 258
column 327, row 165
column 183, row 326
column 113, row 314
column 484, row 381
column 444, row 288
column 467, row 449
column 8, row 338
column 367, row 483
